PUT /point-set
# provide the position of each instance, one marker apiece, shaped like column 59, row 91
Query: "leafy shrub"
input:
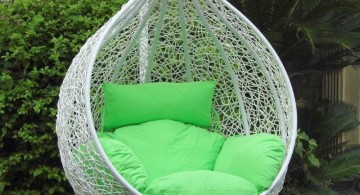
column 38, row 40
column 320, row 165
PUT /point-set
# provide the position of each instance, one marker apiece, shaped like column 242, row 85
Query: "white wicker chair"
column 174, row 41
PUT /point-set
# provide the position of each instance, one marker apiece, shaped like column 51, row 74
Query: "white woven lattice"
column 175, row 41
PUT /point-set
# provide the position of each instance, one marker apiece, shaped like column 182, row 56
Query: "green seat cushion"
column 125, row 162
column 201, row 182
column 134, row 104
column 109, row 135
column 256, row 158
column 166, row 146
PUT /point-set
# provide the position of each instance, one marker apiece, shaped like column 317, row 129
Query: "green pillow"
column 166, row 146
column 200, row 183
column 125, row 162
column 134, row 104
column 256, row 158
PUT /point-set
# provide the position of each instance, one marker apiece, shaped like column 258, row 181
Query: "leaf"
column 343, row 166
column 348, row 40
column 337, row 118
column 308, row 6
column 2, row 101
column 350, row 25
column 317, row 31
column 2, row 187
column 313, row 160
column 312, row 143
column 299, row 149
column 37, row 172
column 303, row 136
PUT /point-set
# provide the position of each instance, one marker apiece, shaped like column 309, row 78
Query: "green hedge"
column 38, row 40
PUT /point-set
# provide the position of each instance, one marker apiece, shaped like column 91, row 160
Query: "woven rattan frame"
column 173, row 41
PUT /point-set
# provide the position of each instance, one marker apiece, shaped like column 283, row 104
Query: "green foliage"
column 306, row 148
column 313, row 37
column 324, row 122
column 343, row 166
column 304, row 160
column 348, row 186
column 308, row 35
column 317, row 162
column 38, row 40
column 330, row 120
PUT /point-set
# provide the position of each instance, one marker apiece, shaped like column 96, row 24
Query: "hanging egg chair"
column 175, row 41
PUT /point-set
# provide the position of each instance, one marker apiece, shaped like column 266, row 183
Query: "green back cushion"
column 125, row 162
column 166, row 146
column 134, row 104
column 256, row 158
column 200, row 183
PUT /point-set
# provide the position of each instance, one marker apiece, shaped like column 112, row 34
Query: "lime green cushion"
column 109, row 135
column 201, row 183
column 125, row 162
column 134, row 104
column 167, row 146
column 256, row 158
